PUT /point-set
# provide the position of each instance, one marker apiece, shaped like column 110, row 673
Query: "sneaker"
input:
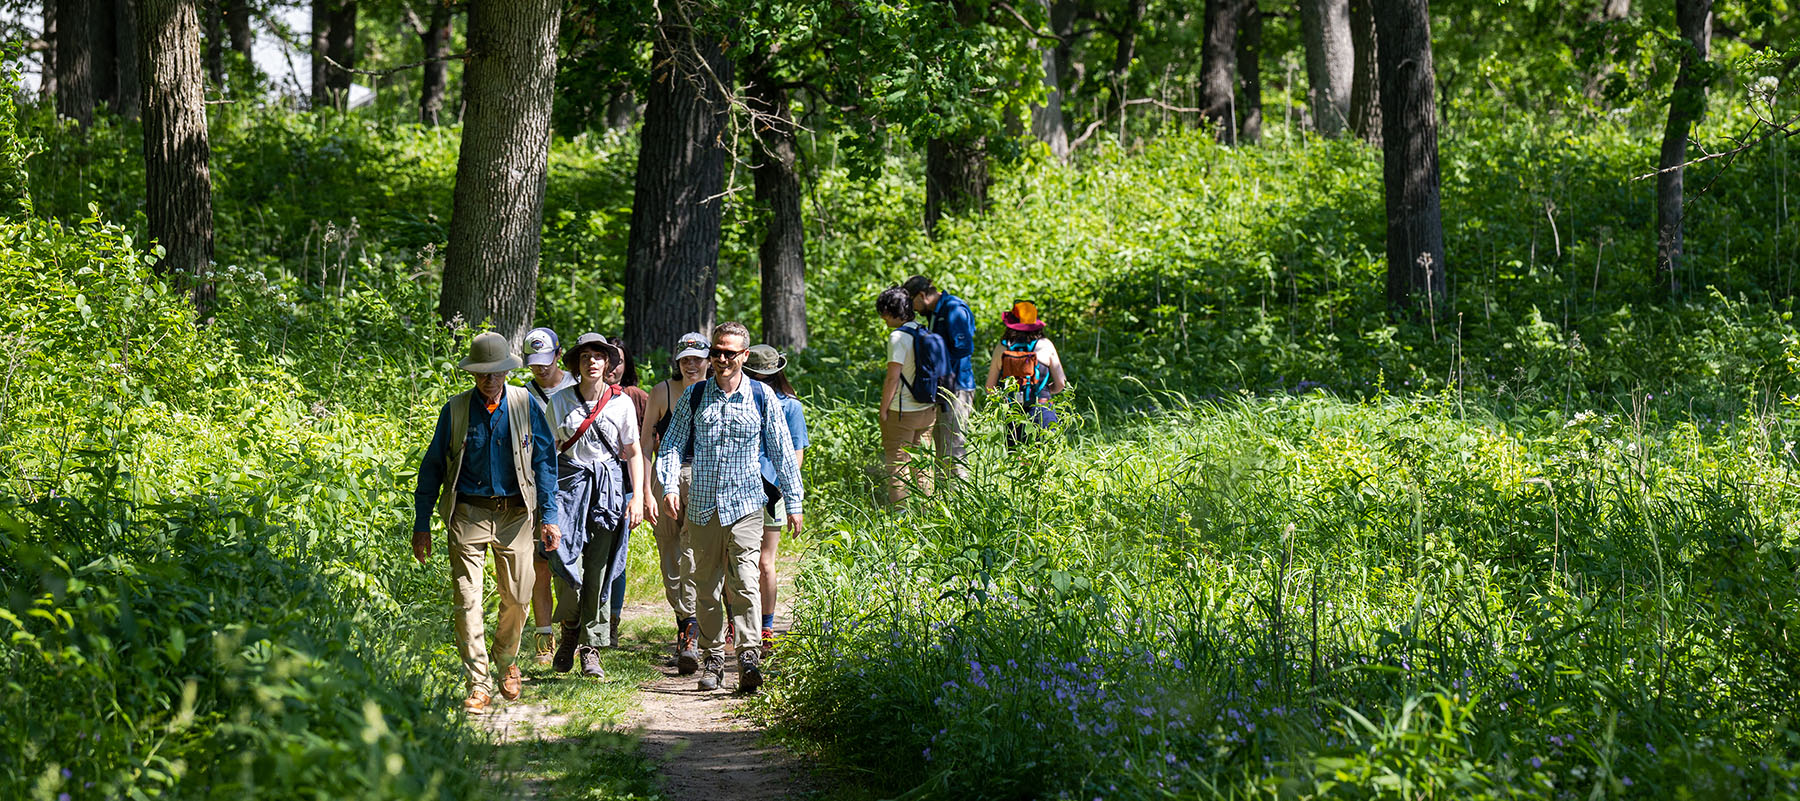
column 590, row 663
column 565, row 650
column 509, row 685
column 546, row 648
column 750, row 674
column 687, row 653
column 768, row 639
column 714, row 675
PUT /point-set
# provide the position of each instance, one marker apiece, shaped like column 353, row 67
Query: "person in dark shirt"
column 491, row 472
column 949, row 317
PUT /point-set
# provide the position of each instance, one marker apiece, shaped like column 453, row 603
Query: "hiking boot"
column 509, row 685
column 687, row 653
column 750, row 674
column 590, row 663
column 477, row 702
column 714, row 675
column 546, row 648
column 565, row 649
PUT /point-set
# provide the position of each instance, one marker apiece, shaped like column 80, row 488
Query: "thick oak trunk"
column 75, row 60
column 672, row 257
column 1218, row 49
column 1325, row 25
column 47, row 70
column 178, row 186
column 130, row 93
column 1685, row 106
column 1415, row 229
column 103, row 33
column 1365, row 73
column 782, row 253
column 237, row 24
column 436, row 41
column 956, row 178
column 496, row 222
column 1048, row 122
column 1249, row 69
column 214, row 15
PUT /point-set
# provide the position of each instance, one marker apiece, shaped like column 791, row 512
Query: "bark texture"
column 782, row 254
column 621, row 109
column 1249, row 68
column 130, row 95
column 178, row 186
column 1048, row 122
column 214, row 14
column 1365, row 73
column 237, row 23
column 1325, row 24
column 672, row 258
column 435, row 37
column 1218, row 48
column 1685, row 106
column 1415, row 229
column 496, row 221
column 75, row 61
column 47, row 71
column 956, row 178
column 333, row 36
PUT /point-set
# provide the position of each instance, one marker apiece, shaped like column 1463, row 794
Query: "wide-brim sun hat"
column 587, row 342
column 490, row 353
column 764, row 360
column 694, row 344
column 540, row 347
column 1023, row 317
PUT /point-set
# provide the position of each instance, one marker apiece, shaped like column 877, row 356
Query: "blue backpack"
column 931, row 364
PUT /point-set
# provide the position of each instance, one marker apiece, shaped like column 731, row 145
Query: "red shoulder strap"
column 612, row 391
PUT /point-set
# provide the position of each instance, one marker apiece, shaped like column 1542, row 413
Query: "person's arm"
column 993, row 379
column 431, row 481
column 777, row 442
column 889, row 388
column 653, row 411
column 962, row 330
column 1057, row 379
column 668, row 452
column 543, row 465
column 635, row 459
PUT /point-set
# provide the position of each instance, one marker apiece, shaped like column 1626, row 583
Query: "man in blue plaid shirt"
column 728, row 424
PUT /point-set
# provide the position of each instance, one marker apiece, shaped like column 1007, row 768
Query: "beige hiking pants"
column 673, row 548
column 727, row 569
column 899, row 431
column 473, row 530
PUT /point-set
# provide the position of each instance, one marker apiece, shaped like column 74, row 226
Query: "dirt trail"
column 706, row 750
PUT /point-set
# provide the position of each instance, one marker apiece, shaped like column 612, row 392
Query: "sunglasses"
column 717, row 352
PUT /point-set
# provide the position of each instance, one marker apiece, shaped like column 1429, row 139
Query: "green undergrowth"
column 1311, row 598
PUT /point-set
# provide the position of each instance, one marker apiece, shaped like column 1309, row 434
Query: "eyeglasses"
column 716, row 352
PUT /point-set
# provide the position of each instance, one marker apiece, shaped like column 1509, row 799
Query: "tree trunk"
column 1685, row 106
column 178, row 186
column 436, row 41
column 672, row 257
column 103, row 33
column 497, row 220
column 320, row 44
column 215, row 41
column 334, row 37
column 75, row 61
column 1249, row 66
column 956, row 178
column 1365, row 74
column 126, row 72
column 47, row 72
column 1131, row 17
column 1217, row 51
column 1609, row 11
column 783, row 250
column 1415, row 228
column 1048, row 122
column 621, row 109
column 1329, row 53
column 237, row 23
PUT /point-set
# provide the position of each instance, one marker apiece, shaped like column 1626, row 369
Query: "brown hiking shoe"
column 590, row 663
column 564, row 660
column 477, row 702
column 546, row 648
column 687, row 652
column 509, row 686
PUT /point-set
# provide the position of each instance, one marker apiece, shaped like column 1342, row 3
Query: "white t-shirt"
column 900, row 351
column 532, row 388
column 617, row 425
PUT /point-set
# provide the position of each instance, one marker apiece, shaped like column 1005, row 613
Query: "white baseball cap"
column 541, row 346
column 694, row 344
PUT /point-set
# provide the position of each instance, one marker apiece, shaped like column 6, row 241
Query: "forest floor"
column 644, row 730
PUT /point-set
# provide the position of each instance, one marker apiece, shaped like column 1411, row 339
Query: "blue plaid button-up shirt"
column 730, row 439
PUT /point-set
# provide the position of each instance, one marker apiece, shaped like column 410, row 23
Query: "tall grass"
column 1313, row 598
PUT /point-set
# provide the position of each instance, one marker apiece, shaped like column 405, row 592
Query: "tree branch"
column 390, row 71
column 1745, row 143
column 1024, row 23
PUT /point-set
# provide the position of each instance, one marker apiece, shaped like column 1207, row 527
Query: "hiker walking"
column 949, row 317
column 905, row 419
column 1028, row 360
column 766, row 364
column 624, row 376
column 673, row 550
column 491, row 472
column 596, row 429
column 728, row 424
column 543, row 356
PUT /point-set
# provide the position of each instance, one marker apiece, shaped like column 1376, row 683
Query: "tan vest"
column 518, row 418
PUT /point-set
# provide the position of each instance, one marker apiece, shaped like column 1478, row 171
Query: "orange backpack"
column 1019, row 362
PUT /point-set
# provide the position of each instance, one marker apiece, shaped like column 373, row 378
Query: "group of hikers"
column 553, row 476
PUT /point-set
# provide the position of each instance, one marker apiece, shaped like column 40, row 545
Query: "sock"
column 768, row 621
column 543, row 629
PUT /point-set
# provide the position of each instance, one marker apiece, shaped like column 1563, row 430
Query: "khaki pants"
column 472, row 531
column 727, row 570
column 899, row 431
column 948, row 434
column 673, row 548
